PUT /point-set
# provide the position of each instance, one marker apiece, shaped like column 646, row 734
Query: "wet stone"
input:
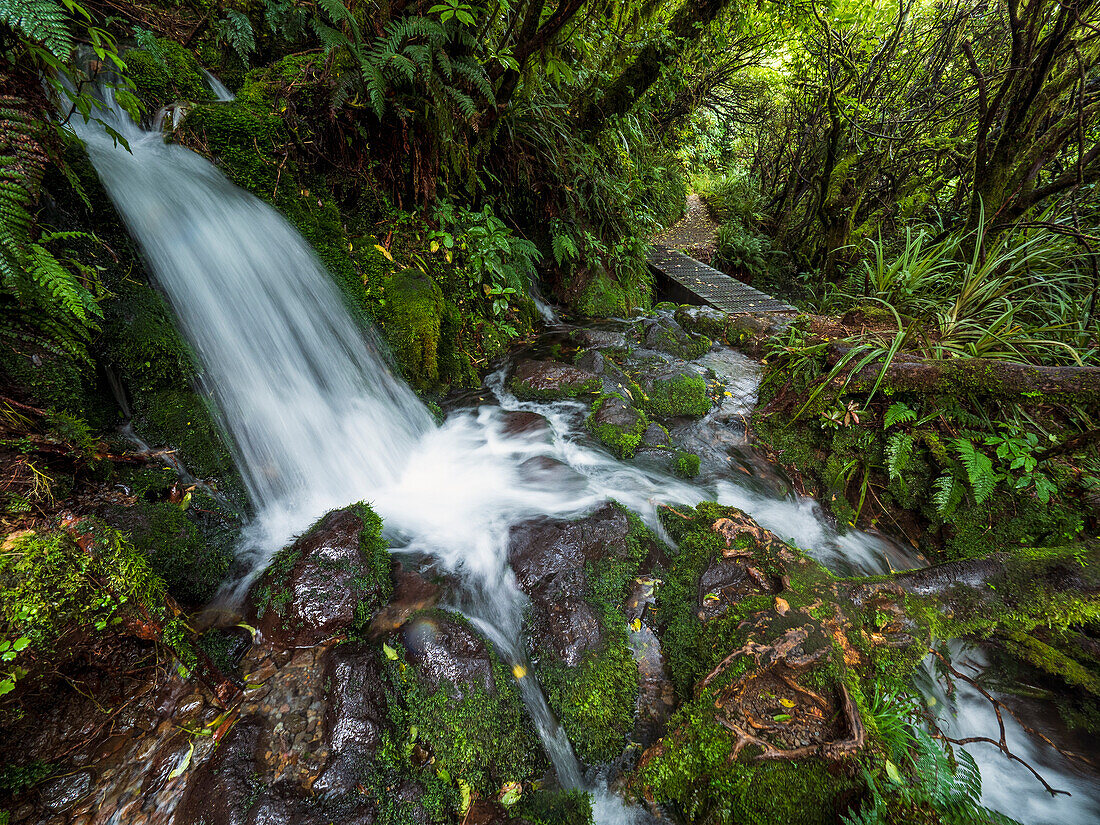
column 63, row 793
column 444, row 650
column 317, row 597
column 550, row 381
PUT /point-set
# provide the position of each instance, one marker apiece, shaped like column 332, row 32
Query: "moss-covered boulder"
column 779, row 664
column 165, row 72
column 461, row 703
column 665, row 335
column 333, row 577
column 676, row 392
column 411, row 322
column 551, row 381
column 618, row 424
column 578, row 574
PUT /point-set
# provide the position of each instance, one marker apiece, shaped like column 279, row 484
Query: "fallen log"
column 977, row 376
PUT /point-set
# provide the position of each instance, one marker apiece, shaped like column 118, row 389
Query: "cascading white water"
column 318, row 420
column 315, row 417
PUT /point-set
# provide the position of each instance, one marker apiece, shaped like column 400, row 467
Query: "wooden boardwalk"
column 711, row 286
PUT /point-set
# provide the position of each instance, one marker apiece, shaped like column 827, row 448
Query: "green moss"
column 595, row 700
column 605, row 297
column 679, row 395
column 555, row 808
column 687, row 464
column 183, row 419
column 192, row 555
column 411, row 323
column 528, row 391
column 475, row 736
column 171, row 74
column 693, row 772
column 52, row 380
column 620, row 439
column 456, row 366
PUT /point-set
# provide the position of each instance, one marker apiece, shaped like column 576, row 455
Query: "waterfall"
column 315, row 417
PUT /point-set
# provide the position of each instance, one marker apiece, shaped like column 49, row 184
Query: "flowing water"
column 318, row 420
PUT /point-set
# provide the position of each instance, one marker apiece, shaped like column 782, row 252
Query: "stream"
column 318, row 420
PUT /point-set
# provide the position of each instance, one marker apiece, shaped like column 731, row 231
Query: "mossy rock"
column 606, row 297
column 462, row 703
column 332, row 579
column 241, row 139
column 551, row 381
column 666, row 335
column 191, row 552
column 686, row 464
column 618, row 424
column 595, row 700
column 411, row 323
column 168, row 74
column 677, row 394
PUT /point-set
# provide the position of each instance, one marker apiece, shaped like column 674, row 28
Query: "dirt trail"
column 695, row 234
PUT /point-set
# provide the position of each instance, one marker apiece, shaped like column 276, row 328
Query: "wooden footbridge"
column 686, row 280
column 693, row 279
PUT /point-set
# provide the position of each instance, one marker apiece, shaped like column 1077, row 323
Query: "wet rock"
column 548, row 557
column 223, row 791
column 665, row 335
column 444, row 650
column 656, row 435
column 520, row 422
column 598, row 339
column 551, row 381
column 62, row 793
column 355, row 716
column 412, row 594
column 593, row 361
column 311, row 589
column 618, row 424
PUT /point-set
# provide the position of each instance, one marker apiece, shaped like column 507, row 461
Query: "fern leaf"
column 947, row 494
column 979, row 469
column 899, row 449
column 899, row 413
column 42, row 21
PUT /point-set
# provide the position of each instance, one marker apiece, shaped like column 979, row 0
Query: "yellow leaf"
column 781, row 606
column 787, row 703
column 636, row 625
column 178, row 772
column 389, row 651
column 384, row 251
column 519, row 671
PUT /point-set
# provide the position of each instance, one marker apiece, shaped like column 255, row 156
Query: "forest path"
column 695, row 234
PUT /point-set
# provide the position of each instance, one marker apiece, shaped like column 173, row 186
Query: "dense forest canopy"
column 917, row 177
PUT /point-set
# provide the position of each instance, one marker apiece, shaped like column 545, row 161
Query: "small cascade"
column 318, row 420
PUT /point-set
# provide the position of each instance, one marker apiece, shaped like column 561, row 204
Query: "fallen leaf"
column 781, row 606
column 519, row 671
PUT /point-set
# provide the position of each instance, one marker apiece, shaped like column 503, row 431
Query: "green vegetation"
column 680, row 394
column 621, row 438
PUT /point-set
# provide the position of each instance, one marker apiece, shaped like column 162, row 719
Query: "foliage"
column 54, row 585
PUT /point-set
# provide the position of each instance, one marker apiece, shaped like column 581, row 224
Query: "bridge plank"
column 714, row 287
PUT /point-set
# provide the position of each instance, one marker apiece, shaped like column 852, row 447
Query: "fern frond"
column 43, row 21
column 947, row 494
column 235, row 30
column 899, row 413
column 899, row 449
column 979, row 469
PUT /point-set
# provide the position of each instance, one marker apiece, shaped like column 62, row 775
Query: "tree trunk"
column 635, row 80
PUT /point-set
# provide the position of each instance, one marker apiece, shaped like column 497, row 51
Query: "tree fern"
column 979, row 469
